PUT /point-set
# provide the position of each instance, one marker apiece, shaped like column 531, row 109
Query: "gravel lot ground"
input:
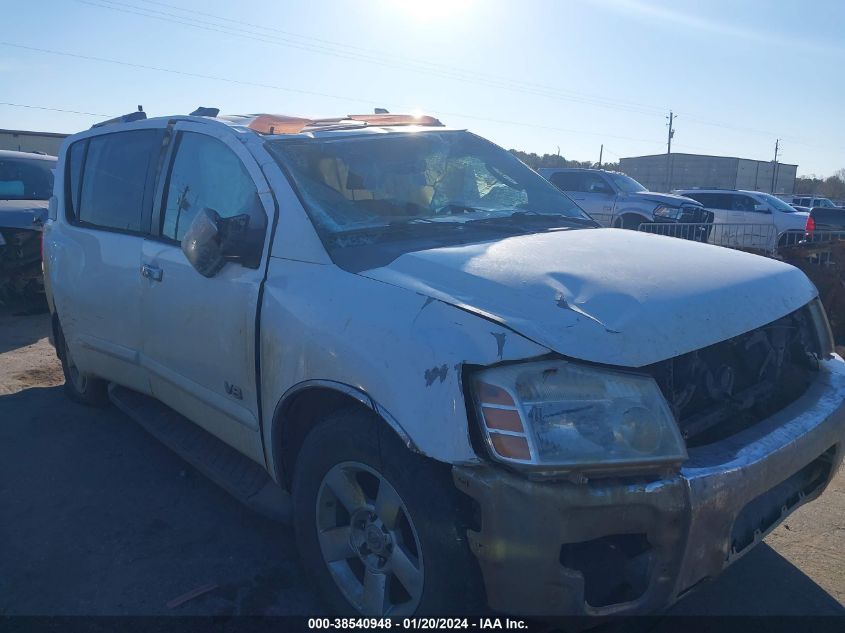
column 97, row 518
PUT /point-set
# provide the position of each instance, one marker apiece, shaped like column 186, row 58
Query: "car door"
column 717, row 203
column 97, row 288
column 753, row 220
column 590, row 191
column 200, row 332
column 723, row 231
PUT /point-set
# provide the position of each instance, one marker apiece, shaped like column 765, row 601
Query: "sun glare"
column 428, row 10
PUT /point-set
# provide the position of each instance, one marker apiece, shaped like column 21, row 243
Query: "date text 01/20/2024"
column 417, row 623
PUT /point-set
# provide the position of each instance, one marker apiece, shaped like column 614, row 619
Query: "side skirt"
column 238, row 475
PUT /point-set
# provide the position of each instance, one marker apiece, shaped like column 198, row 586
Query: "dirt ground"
column 97, row 518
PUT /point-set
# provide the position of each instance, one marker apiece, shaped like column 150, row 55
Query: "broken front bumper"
column 20, row 262
column 625, row 547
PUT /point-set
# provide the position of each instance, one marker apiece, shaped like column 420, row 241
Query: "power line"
column 380, row 56
column 372, row 56
column 378, row 59
column 35, row 107
column 369, row 102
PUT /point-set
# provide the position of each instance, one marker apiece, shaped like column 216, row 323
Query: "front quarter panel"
column 404, row 350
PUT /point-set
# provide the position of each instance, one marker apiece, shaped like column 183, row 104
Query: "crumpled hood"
column 607, row 295
column 23, row 214
column 663, row 198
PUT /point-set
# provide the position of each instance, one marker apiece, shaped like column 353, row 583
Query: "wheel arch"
column 302, row 407
column 627, row 214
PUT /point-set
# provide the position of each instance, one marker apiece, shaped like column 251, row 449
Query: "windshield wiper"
column 519, row 217
column 416, row 226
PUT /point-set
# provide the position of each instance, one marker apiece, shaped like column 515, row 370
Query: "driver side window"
column 207, row 174
column 593, row 183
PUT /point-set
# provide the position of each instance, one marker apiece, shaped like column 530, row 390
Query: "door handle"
column 152, row 273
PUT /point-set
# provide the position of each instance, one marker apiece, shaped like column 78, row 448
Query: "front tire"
column 79, row 387
column 378, row 527
column 630, row 222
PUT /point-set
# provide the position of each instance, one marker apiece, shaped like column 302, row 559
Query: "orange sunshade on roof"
column 278, row 124
column 283, row 124
column 395, row 119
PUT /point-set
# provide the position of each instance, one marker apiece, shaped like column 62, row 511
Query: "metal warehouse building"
column 25, row 141
column 685, row 171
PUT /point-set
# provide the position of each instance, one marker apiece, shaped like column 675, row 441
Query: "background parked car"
column 614, row 199
column 809, row 202
column 756, row 219
column 26, row 184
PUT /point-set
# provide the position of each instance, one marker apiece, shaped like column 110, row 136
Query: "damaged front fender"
column 403, row 350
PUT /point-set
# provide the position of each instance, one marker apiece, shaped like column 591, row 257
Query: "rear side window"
column 741, row 203
column 207, row 174
column 566, row 181
column 117, row 179
column 711, row 200
column 75, row 159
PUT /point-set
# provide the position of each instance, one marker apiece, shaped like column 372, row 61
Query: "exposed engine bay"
column 20, row 263
column 722, row 389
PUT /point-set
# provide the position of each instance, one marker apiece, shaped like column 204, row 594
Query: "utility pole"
column 601, row 152
column 775, row 166
column 671, row 119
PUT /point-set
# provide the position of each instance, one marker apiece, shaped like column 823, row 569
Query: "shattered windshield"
column 26, row 179
column 431, row 181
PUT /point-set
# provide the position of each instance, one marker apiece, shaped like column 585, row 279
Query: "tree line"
column 536, row 161
column 832, row 187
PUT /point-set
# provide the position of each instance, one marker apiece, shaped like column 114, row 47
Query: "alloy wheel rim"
column 368, row 541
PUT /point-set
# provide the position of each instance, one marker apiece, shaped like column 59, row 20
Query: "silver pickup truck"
column 619, row 201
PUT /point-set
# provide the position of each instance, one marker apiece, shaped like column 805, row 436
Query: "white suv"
column 461, row 392
column 770, row 217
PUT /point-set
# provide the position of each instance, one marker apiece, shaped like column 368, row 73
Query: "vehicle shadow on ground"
column 763, row 583
column 101, row 519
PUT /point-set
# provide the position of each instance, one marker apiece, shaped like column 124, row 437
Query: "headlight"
column 668, row 212
column 822, row 327
column 560, row 414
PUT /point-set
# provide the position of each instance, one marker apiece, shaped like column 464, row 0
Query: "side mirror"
column 201, row 243
column 762, row 208
column 211, row 241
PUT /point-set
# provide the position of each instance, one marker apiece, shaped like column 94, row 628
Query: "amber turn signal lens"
column 491, row 394
column 502, row 419
column 511, row 446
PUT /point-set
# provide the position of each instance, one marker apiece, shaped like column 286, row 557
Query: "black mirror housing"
column 211, row 241
column 201, row 243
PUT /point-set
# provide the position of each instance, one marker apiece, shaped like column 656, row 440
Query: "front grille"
column 690, row 213
column 722, row 389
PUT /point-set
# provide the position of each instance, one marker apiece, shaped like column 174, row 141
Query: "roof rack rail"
column 138, row 115
column 203, row 111
column 282, row 124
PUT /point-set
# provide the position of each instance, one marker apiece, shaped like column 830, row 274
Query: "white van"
column 461, row 392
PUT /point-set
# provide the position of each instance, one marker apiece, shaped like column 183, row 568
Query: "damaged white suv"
column 462, row 393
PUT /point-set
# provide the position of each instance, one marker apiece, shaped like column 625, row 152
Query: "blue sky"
column 533, row 75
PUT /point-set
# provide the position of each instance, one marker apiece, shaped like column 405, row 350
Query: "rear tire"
column 401, row 546
column 79, row 387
